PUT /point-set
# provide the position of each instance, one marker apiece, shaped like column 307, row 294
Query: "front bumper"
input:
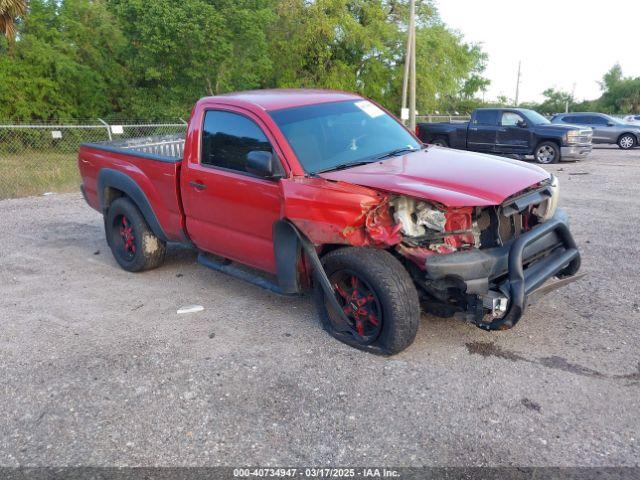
column 514, row 271
column 575, row 152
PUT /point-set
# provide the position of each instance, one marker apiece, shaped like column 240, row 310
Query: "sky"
column 560, row 42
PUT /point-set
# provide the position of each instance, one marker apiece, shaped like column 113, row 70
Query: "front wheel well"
column 552, row 140
column 635, row 136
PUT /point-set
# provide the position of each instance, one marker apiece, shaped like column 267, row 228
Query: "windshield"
column 535, row 117
column 335, row 135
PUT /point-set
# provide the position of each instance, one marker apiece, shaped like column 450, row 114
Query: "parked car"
column 510, row 131
column 632, row 119
column 606, row 129
column 326, row 191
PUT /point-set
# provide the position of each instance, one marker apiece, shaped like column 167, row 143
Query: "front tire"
column 133, row 244
column 626, row 141
column 547, row 153
column 378, row 297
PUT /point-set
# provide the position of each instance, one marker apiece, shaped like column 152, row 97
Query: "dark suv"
column 606, row 129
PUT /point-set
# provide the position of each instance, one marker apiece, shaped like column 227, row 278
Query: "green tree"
column 153, row 59
column 555, row 101
column 178, row 52
column 612, row 78
column 65, row 63
column 620, row 94
column 359, row 45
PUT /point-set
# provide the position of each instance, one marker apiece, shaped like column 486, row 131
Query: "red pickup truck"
column 326, row 191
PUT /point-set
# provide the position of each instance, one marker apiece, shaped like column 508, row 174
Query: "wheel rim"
column 360, row 304
column 546, row 154
column 626, row 142
column 126, row 240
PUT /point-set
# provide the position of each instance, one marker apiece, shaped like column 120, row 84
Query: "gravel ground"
column 97, row 368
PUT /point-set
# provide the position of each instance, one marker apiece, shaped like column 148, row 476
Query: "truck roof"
column 278, row 99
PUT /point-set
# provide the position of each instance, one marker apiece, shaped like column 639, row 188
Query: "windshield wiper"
column 342, row 166
column 397, row 151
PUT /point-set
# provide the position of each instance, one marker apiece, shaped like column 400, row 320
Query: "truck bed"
column 165, row 148
column 151, row 165
column 454, row 132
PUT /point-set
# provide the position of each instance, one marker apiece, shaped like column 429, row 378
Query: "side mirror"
column 610, row 124
column 521, row 124
column 263, row 164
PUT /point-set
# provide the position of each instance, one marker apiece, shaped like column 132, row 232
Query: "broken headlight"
column 441, row 230
column 547, row 209
column 416, row 217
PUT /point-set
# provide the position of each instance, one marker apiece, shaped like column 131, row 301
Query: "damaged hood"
column 451, row 177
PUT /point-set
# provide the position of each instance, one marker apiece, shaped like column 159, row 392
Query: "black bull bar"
column 562, row 262
column 548, row 250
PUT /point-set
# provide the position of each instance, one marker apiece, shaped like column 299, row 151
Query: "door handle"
column 474, row 129
column 198, row 186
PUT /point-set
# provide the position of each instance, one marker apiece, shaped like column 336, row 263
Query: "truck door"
column 514, row 135
column 482, row 131
column 229, row 211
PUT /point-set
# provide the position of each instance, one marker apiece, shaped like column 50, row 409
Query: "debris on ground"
column 190, row 309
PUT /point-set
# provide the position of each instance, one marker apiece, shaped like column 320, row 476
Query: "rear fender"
column 113, row 179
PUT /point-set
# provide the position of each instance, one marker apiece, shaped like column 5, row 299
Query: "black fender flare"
column 288, row 244
column 110, row 178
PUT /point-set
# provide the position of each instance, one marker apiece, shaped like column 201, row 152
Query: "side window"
column 510, row 119
column 595, row 120
column 486, row 117
column 581, row 120
column 227, row 138
column 570, row 119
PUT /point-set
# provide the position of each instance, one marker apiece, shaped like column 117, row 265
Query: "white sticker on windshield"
column 370, row 109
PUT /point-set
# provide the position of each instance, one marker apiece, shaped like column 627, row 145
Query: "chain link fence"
column 41, row 158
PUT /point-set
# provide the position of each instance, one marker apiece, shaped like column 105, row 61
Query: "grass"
column 34, row 173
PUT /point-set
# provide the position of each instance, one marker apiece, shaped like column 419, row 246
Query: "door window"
column 595, row 120
column 511, row 119
column 581, row 120
column 486, row 117
column 228, row 137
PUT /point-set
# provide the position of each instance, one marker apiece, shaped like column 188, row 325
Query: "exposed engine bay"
column 429, row 229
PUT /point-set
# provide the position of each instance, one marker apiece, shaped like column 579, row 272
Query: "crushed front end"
column 485, row 264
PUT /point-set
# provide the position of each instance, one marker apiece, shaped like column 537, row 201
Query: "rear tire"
column 440, row 142
column 387, row 322
column 547, row 153
column 626, row 141
column 133, row 244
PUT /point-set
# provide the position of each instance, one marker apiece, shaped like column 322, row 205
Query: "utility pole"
column 518, row 84
column 405, row 79
column 412, row 79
